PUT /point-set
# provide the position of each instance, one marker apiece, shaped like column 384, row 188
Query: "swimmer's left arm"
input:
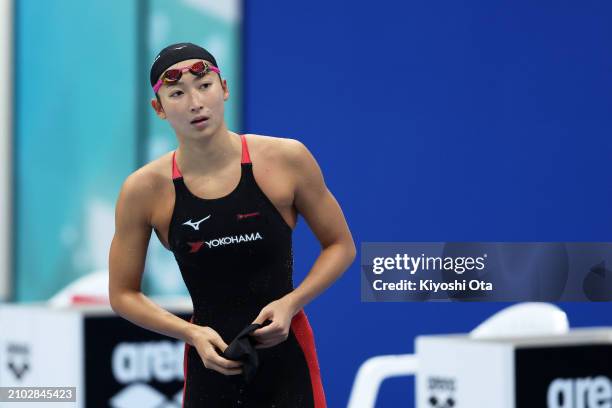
column 323, row 214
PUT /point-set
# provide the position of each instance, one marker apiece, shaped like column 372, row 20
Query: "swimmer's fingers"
column 217, row 341
column 224, row 362
column 212, row 354
column 212, row 360
column 265, row 332
column 274, row 336
column 273, row 331
column 222, row 370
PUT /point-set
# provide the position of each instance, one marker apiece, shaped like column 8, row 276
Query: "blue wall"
column 436, row 121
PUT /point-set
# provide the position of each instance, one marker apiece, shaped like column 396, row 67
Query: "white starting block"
column 110, row 361
column 523, row 357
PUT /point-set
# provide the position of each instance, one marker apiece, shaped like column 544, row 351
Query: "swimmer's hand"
column 207, row 342
column 280, row 312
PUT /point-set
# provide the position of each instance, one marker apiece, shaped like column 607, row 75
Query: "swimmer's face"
column 192, row 97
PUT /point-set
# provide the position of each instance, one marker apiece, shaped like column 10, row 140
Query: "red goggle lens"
column 173, row 75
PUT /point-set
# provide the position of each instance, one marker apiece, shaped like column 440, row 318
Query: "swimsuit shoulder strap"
column 176, row 173
column 245, row 151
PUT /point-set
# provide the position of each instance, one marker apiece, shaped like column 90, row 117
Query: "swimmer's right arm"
column 126, row 266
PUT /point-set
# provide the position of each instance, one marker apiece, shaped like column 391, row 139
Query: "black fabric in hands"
column 242, row 348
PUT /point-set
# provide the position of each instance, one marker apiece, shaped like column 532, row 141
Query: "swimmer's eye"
column 204, row 85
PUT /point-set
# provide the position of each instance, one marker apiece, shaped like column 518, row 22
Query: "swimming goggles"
column 172, row 76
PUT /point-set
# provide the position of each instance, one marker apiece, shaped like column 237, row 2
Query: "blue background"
column 436, row 121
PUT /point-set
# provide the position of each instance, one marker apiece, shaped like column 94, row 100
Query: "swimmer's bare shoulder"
column 278, row 156
column 143, row 190
column 279, row 166
column 273, row 148
column 310, row 196
column 139, row 200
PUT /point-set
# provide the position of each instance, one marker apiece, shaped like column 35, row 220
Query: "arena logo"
column 442, row 392
column 18, row 359
column 155, row 360
column 135, row 363
column 589, row 392
column 144, row 396
column 235, row 239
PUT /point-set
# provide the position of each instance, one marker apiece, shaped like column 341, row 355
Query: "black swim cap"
column 175, row 53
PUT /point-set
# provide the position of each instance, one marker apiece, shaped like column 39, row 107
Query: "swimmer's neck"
column 210, row 154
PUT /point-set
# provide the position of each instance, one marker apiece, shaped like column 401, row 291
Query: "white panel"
column 472, row 374
column 40, row 347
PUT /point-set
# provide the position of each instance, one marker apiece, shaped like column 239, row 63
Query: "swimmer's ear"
column 159, row 109
column 225, row 89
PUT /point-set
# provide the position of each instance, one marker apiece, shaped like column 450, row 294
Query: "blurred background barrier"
column 84, row 123
column 6, row 146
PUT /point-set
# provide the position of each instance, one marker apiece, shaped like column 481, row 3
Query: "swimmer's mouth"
column 199, row 119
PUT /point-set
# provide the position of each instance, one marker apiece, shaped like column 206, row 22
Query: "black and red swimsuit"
column 235, row 256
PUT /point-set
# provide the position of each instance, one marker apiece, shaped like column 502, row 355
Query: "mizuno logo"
column 178, row 48
column 195, row 225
